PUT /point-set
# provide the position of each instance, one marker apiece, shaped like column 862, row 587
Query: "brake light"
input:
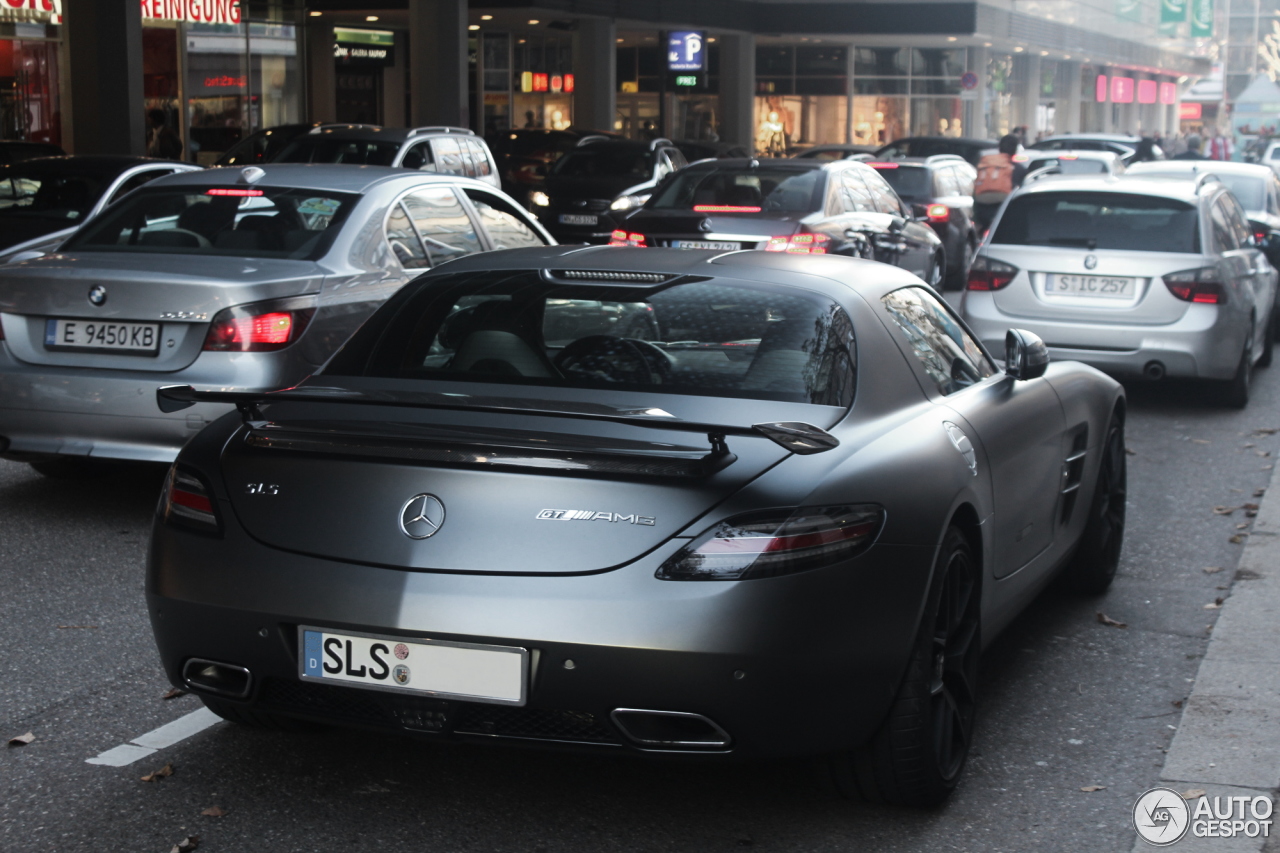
column 187, row 502
column 1259, row 237
column 1202, row 285
column 1068, row 156
column 986, row 274
column 622, row 238
column 799, row 244
column 264, row 327
column 724, row 208
column 234, row 193
column 883, row 165
column 938, row 213
column 772, row 543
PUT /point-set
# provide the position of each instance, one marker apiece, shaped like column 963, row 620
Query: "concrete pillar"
column 975, row 100
column 321, row 97
column 1108, row 108
column 104, row 47
column 438, row 66
column 738, row 90
column 1068, row 101
column 595, row 73
column 1028, row 71
column 393, row 80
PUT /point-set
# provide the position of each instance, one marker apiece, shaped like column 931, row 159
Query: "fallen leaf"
column 1237, row 539
column 191, row 842
column 1130, row 451
column 1211, row 570
column 1224, row 510
column 1109, row 622
column 1247, row 575
column 1250, row 444
column 22, row 740
column 173, row 693
column 1250, row 513
column 214, row 811
column 1201, row 441
column 1244, row 526
column 1089, row 789
column 1192, row 793
column 1177, row 703
column 1248, row 506
column 1263, row 452
column 1257, row 493
column 1212, row 606
column 157, row 775
column 64, row 627
column 1266, row 430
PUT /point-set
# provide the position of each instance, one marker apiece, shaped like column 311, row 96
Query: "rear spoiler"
column 795, row 436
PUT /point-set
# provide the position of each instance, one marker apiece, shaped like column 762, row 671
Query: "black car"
column 16, row 152
column 940, row 191
column 589, row 191
column 929, row 146
column 524, row 155
column 806, row 207
column 265, row 145
column 834, row 152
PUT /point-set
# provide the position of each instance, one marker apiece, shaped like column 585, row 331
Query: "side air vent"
column 605, row 275
column 1073, row 473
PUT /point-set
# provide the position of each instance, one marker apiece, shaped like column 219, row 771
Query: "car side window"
column 856, row 195
column 135, row 181
column 480, row 157
column 445, row 228
column 883, row 196
column 404, row 241
column 419, row 157
column 678, row 160
column 507, row 228
column 965, row 176
column 950, row 356
column 944, row 182
column 1224, row 237
column 663, row 166
column 448, row 156
column 1237, row 220
column 1273, row 196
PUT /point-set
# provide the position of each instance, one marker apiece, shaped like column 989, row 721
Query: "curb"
column 1228, row 739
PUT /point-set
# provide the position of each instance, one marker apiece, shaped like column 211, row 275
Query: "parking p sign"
column 685, row 51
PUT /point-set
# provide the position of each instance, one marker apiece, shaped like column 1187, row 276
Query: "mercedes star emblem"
column 97, row 294
column 422, row 516
column 1090, row 261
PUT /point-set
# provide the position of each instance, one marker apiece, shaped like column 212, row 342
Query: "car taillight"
column 772, row 543
column 623, row 238
column 1203, row 285
column 187, row 502
column 263, row 327
column 799, row 244
column 938, row 213
column 986, row 274
column 1260, row 237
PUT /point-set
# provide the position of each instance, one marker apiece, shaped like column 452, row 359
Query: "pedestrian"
column 1192, row 151
column 998, row 176
column 1219, row 146
column 1146, row 150
column 162, row 141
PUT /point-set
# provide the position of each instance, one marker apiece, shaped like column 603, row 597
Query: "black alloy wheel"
column 1268, row 341
column 1098, row 554
column 1235, row 391
column 937, row 270
column 918, row 755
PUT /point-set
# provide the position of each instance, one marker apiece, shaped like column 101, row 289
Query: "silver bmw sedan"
column 236, row 279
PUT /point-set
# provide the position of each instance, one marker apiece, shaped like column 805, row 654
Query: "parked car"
column 1071, row 163
column 939, row 190
column 1116, row 143
column 12, row 151
column 840, row 207
column 524, row 155
column 928, row 146
column 591, row 189
column 730, row 540
column 265, row 145
column 1136, row 276
column 43, row 201
column 238, row 278
column 836, row 152
column 444, row 150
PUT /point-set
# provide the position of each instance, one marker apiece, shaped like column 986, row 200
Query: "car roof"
column 796, row 163
column 90, row 164
column 1198, row 167
column 931, row 160
column 1097, row 137
column 971, row 141
column 377, row 133
column 1174, row 188
column 317, row 176
column 1083, row 154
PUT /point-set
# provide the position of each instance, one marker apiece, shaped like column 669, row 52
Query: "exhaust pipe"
column 1154, row 371
column 669, row 729
column 222, row 679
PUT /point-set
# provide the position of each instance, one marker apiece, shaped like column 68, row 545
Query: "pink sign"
column 1146, row 91
column 1168, row 93
column 1100, row 91
column 1122, row 90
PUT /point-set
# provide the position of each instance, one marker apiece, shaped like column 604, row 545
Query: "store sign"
column 1100, row 89
column 194, row 11
column 1190, row 112
column 685, row 51
column 225, row 82
column 364, row 47
column 1168, row 93
column 1146, row 91
column 1122, row 90
column 31, row 11
column 687, row 80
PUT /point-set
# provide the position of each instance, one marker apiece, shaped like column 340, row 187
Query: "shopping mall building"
column 84, row 73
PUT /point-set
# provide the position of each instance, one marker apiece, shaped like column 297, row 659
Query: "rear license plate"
column 1109, row 287
column 704, row 244
column 476, row 673
column 578, row 219
column 102, row 335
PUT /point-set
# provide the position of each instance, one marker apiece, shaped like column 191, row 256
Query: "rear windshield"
column 909, row 182
column 605, row 161
column 753, row 190
column 1070, row 165
column 1099, row 220
column 360, row 152
column 45, row 194
column 258, row 222
column 699, row 338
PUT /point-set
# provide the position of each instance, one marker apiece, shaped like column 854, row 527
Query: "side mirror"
column 897, row 224
column 18, row 257
column 919, row 212
column 1025, row 355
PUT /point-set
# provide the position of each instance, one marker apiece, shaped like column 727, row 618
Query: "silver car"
column 1137, row 276
column 226, row 278
column 1045, row 163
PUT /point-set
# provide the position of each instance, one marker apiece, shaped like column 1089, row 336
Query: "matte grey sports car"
column 781, row 518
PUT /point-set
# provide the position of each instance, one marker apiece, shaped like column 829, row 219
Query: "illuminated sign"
column 1190, row 112
column 526, row 81
column 568, row 82
column 224, row 82
column 687, row 80
column 1122, row 90
column 685, row 51
column 1168, row 93
column 557, row 83
column 1100, row 90
column 364, row 47
column 31, row 11
column 1146, row 91
column 541, row 82
column 195, row 11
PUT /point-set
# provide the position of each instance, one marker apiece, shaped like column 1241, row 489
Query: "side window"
column 678, row 160
column 448, row 156
column 1224, row 237
column 885, row 199
column 663, row 166
column 419, row 157
column 135, row 181
column 507, row 229
column 944, row 182
column 404, row 240
column 480, row 156
column 1237, row 220
column 857, row 198
column 444, row 226
column 948, row 354
column 1273, row 196
column 965, row 176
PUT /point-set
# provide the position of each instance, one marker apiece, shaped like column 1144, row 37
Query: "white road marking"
column 153, row 741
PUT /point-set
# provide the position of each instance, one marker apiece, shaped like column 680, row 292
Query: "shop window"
column 821, row 85
column 935, row 87
column 937, row 63
column 879, row 86
column 29, row 102
column 880, row 62
column 821, row 61
column 775, row 61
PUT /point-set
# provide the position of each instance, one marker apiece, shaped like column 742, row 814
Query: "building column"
column 738, row 90
column 595, row 74
column 438, row 66
column 104, row 48
column 975, row 100
column 1068, row 114
column 1029, row 72
column 321, row 74
column 393, row 80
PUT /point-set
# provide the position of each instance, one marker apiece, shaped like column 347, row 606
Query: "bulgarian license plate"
column 1109, row 287
column 102, row 335
column 476, row 673
column 704, row 244
column 578, row 219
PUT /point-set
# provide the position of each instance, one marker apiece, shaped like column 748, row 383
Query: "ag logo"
column 1161, row 817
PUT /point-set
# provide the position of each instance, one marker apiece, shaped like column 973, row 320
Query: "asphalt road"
column 1068, row 702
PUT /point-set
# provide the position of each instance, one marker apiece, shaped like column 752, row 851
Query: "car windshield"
column 1247, row 189
column 1070, row 165
column 909, row 182
column 45, row 194
column 702, row 338
column 743, row 190
column 1099, row 220
column 360, row 152
column 258, row 222
column 605, row 161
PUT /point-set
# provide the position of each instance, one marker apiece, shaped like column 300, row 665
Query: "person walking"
column 998, row 176
column 1146, row 150
column 1219, row 146
column 162, row 141
column 1193, row 149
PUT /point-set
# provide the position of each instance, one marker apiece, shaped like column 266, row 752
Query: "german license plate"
column 704, row 244
column 1107, row 287
column 475, row 673
column 579, row 219
column 102, row 335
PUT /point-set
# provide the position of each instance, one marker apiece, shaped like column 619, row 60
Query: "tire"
column 253, row 719
column 937, row 272
column 67, row 468
column 1235, row 391
column 959, row 278
column 1097, row 556
column 1269, row 341
column 918, row 755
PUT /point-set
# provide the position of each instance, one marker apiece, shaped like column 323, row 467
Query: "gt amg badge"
column 97, row 295
column 592, row 515
column 422, row 516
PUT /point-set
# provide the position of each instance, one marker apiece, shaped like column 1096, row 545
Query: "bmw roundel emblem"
column 97, row 294
column 422, row 516
column 1090, row 261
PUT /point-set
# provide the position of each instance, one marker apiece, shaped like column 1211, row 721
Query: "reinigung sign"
column 193, row 11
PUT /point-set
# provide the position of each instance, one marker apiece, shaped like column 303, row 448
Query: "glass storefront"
column 30, row 103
